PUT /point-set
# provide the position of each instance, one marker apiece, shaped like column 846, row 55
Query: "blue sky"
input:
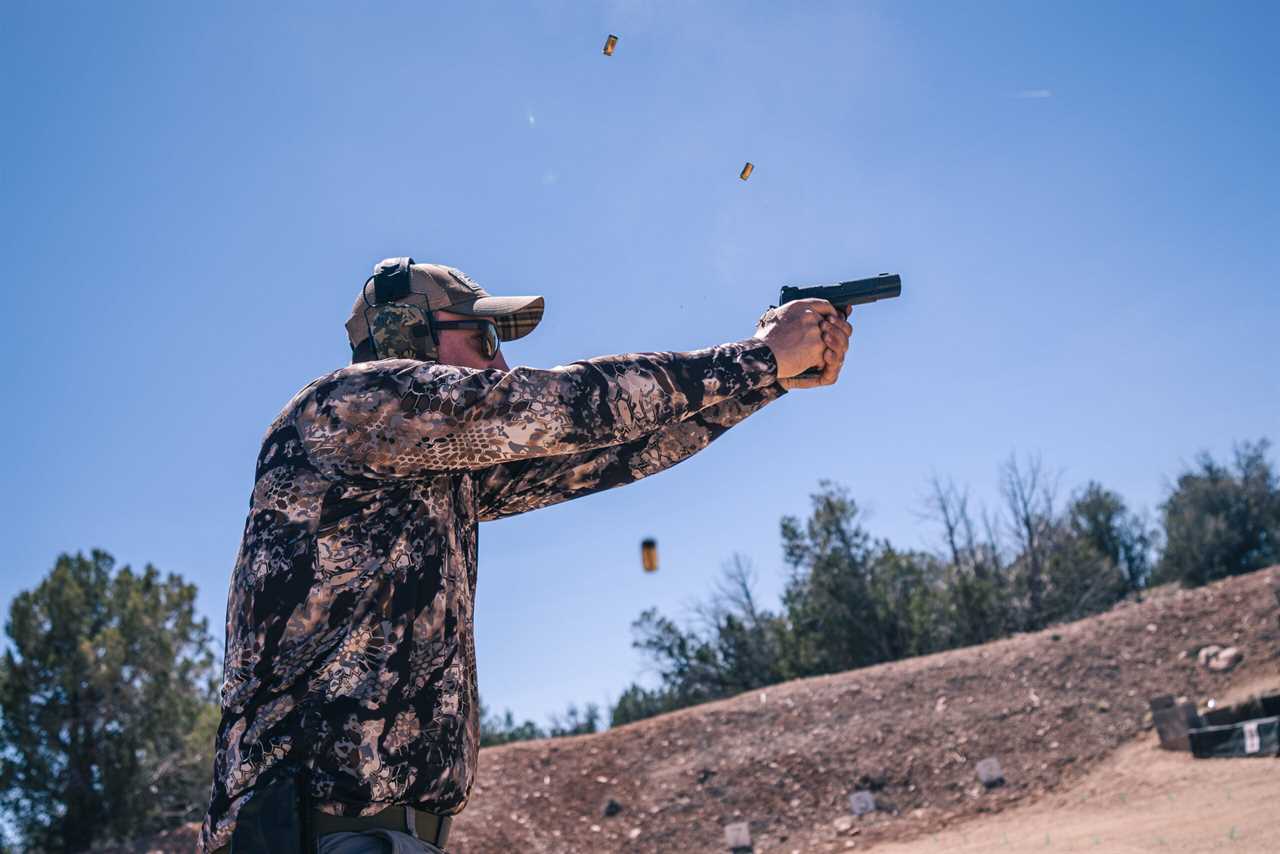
column 1081, row 199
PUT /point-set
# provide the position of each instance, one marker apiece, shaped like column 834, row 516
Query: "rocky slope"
column 1049, row 706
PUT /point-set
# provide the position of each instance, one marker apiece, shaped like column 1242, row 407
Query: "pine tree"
column 107, row 698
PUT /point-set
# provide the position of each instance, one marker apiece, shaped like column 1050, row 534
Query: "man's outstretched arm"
column 405, row 419
column 409, row 419
column 525, row 485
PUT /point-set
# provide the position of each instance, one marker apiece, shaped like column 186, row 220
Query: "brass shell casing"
column 649, row 555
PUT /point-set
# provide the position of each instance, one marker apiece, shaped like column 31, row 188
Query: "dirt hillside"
column 1050, row 706
column 1054, row 707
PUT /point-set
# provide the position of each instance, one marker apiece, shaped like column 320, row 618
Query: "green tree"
column 1094, row 554
column 734, row 646
column 850, row 601
column 637, row 703
column 1029, row 493
column 750, row 641
column 1220, row 520
column 1072, row 562
column 908, row 595
column 498, row 729
column 1122, row 539
column 687, row 663
column 834, row 621
column 107, row 702
column 575, row 721
column 1079, row 579
column 503, row 729
column 977, row 592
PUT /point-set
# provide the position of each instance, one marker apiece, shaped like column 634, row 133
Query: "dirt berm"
column 1051, row 706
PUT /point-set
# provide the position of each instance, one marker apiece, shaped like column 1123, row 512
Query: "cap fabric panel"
column 437, row 287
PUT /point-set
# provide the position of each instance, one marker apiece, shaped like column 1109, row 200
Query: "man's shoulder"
column 365, row 370
column 368, row 379
column 360, row 375
column 371, row 371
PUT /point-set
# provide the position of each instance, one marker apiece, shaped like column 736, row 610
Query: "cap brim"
column 515, row 317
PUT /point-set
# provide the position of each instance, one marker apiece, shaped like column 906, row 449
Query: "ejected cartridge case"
column 609, row 44
column 649, row 555
column 746, row 171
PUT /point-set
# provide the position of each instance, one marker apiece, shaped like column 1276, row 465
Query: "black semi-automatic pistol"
column 857, row 292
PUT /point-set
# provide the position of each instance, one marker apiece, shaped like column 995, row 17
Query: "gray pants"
column 380, row 841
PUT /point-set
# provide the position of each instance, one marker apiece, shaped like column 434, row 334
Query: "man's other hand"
column 804, row 334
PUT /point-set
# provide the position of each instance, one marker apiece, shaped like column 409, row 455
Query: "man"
column 350, row 663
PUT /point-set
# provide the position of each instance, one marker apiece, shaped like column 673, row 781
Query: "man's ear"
column 393, row 329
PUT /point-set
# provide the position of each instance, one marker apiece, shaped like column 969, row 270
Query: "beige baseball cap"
column 437, row 287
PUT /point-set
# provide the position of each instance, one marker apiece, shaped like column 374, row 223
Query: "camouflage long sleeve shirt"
column 349, row 643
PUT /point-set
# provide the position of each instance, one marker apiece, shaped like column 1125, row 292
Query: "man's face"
column 464, row 347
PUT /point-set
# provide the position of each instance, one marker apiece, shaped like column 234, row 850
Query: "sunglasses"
column 489, row 346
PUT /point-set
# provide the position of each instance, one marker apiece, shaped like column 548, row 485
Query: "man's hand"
column 806, row 334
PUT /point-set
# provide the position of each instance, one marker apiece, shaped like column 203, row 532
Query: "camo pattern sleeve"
column 428, row 418
column 524, row 485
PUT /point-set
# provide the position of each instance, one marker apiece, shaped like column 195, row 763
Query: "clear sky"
column 1081, row 199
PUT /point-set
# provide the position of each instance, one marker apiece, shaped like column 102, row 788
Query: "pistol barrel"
column 857, row 292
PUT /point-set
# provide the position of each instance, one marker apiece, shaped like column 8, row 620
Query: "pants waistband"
column 419, row 824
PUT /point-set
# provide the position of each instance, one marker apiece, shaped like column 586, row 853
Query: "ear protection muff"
column 397, row 330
